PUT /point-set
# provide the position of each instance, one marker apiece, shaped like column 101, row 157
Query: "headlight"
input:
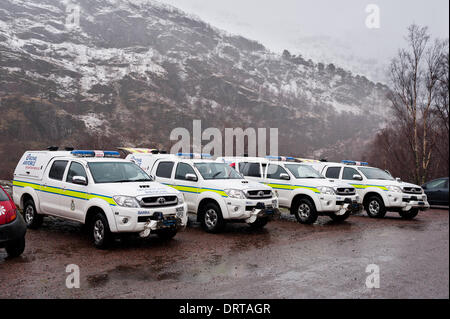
column 326, row 190
column 126, row 201
column 180, row 198
column 235, row 193
column 395, row 189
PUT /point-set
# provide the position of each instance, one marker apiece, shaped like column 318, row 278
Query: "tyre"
column 410, row 214
column 305, row 211
column 212, row 219
column 167, row 234
column 259, row 223
column 375, row 207
column 16, row 248
column 100, row 232
column 32, row 218
column 340, row 218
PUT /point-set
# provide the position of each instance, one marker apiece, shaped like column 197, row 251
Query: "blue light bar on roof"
column 194, row 155
column 88, row 153
column 280, row 158
column 354, row 163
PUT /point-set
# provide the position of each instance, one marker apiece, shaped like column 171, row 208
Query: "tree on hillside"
column 417, row 80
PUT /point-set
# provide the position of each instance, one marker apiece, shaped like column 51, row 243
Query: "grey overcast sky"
column 326, row 30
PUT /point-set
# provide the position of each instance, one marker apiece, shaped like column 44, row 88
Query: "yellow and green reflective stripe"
column 291, row 187
column 361, row 186
column 64, row 192
column 197, row 190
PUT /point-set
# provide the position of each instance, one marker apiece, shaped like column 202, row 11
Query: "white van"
column 214, row 191
column 379, row 191
column 109, row 194
column 300, row 188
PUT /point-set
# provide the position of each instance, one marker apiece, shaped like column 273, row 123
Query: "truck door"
column 52, row 188
column 188, row 187
column 74, row 200
column 282, row 186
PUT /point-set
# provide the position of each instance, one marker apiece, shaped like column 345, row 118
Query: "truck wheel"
column 101, row 234
column 212, row 219
column 16, row 248
column 375, row 207
column 305, row 211
column 32, row 218
column 259, row 223
column 409, row 214
column 340, row 218
column 166, row 234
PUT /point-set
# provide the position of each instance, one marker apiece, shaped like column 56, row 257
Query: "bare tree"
column 416, row 75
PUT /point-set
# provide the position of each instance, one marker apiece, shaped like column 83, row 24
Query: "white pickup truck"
column 379, row 191
column 108, row 194
column 214, row 191
column 300, row 187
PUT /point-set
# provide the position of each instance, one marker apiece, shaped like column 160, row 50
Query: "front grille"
column 158, row 201
column 345, row 191
column 257, row 194
column 412, row 190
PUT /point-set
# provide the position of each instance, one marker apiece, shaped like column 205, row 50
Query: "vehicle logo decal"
column 2, row 211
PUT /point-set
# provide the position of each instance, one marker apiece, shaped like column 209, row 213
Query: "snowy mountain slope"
column 134, row 70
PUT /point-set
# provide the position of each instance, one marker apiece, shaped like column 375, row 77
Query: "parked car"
column 12, row 226
column 300, row 188
column 437, row 191
column 380, row 192
column 214, row 191
column 108, row 194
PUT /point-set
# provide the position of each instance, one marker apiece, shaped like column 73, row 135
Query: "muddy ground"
column 284, row 260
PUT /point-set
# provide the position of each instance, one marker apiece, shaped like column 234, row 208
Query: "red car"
column 12, row 226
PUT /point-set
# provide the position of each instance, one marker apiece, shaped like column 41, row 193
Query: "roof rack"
column 354, row 163
column 139, row 150
column 92, row 153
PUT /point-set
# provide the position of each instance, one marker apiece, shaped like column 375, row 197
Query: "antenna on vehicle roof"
column 68, row 148
column 53, row 148
column 245, row 154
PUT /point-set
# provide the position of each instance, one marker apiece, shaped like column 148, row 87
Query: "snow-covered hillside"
column 134, row 70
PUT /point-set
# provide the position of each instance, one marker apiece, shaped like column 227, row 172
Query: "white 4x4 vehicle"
column 109, row 195
column 300, row 188
column 380, row 192
column 214, row 191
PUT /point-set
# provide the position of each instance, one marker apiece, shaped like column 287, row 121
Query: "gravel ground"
column 284, row 260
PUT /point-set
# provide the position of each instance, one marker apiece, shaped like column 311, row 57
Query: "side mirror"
column 190, row 177
column 79, row 180
column 151, row 177
column 284, row 176
column 357, row 177
column 398, row 179
column 424, row 186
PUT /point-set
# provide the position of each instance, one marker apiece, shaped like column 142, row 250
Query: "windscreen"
column 376, row 173
column 217, row 171
column 117, row 172
column 303, row 171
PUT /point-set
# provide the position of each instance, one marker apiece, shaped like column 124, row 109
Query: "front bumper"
column 137, row 220
column 405, row 202
column 12, row 231
column 245, row 209
column 338, row 204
